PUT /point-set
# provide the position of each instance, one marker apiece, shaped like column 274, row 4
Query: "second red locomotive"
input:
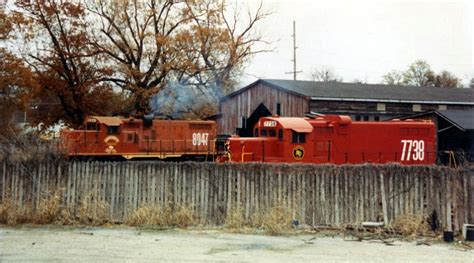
column 336, row 139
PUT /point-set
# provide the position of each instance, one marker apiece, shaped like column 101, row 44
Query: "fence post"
column 384, row 200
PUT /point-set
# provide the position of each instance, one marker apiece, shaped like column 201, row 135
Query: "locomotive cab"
column 276, row 139
column 96, row 135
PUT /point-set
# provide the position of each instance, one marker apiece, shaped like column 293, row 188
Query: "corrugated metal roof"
column 374, row 92
column 463, row 118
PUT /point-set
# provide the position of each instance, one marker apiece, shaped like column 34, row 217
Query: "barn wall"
column 244, row 104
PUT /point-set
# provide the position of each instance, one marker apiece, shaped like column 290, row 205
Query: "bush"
column 29, row 147
column 411, row 225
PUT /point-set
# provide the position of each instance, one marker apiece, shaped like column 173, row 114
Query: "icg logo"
column 298, row 153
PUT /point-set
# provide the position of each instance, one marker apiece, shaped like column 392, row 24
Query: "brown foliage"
column 78, row 54
column 16, row 81
column 65, row 65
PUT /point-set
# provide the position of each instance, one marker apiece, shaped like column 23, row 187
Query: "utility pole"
column 294, row 72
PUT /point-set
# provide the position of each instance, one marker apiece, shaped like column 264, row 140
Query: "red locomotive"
column 325, row 139
column 336, row 139
column 136, row 138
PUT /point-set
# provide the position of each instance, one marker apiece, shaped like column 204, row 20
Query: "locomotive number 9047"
column 200, row 139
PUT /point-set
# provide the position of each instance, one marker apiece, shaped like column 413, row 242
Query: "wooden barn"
column 240, row 110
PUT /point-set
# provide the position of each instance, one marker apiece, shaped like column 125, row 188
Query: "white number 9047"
column 200, row 139
column 413, row 150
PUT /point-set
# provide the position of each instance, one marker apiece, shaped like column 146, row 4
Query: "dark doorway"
column 247, row 130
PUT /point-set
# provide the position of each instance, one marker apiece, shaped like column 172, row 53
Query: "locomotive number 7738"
column 413, row 150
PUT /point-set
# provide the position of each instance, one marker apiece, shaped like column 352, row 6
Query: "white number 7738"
column 413, row 149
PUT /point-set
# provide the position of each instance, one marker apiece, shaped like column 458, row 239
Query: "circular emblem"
column 298, row 153
column 111, row 141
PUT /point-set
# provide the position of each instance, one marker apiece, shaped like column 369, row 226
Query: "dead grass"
column 235, row 219
column 411, row 226
column 153, row 215
column 11, row 215
column 49, row 209
column 277, row 220
column 274, row 221
column 184, row 217
column 148, row 215
column 6, row 207
column 93, row 211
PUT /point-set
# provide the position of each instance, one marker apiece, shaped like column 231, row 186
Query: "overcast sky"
column 366, row 39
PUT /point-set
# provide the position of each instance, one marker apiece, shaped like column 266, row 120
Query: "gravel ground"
column 66, row 244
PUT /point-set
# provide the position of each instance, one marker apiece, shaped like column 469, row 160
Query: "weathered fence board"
column 323, row 194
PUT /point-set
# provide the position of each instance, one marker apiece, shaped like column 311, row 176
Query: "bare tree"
column 447, row 80
column 325, row 74
column 394, row 77
column 152, row 43
column 419, row 73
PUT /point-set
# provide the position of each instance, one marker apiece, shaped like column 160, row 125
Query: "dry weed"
column 145, row 215
column 184, row 217
column 235, row 219
column 93, row 211
column 6, row 207
column 11, row 214
column 153, row 215
column 49, row 209
column 277, row 220
column 411, row 225
column 19, row 215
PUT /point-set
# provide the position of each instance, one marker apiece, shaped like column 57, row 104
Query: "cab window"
column 271, row 133
column 280, row 134
column 264, row 132
column 112, row 129
column 92, row 126
column 255, row 133
column 298, row 137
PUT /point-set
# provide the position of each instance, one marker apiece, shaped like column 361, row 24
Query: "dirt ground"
column 73, row 244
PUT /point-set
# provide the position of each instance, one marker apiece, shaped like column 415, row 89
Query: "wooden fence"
column 318, row 194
